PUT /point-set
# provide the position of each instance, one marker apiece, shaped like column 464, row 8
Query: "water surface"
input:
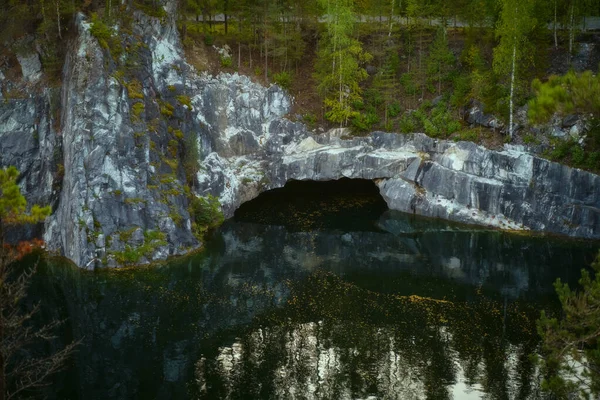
column 316, row 292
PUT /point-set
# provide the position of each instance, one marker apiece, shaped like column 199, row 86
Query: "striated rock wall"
column 116, row 175
column 114, row 169
column 463, row 182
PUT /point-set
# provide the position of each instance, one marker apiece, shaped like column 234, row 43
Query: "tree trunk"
column 555, row 28
column 225, row 14
column 391, row 23
column 571, row 32
column 341, row 94
column 58, row 18
column 512, row 89
column 266, row 58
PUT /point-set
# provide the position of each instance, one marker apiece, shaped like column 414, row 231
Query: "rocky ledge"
column 508, row 189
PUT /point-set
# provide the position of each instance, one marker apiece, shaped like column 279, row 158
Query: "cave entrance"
column 344, row 204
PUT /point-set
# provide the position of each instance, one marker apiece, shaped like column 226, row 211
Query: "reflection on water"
column 336, row 341
column 325, row 296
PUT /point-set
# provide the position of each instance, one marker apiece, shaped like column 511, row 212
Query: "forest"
column 394, row 65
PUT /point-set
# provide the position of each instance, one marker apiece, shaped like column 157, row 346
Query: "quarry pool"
column 316, row 291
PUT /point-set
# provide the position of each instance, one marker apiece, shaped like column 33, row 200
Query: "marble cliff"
column 107, row 151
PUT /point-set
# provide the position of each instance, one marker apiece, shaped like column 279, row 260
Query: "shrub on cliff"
column 205, row 213
column 573, row 92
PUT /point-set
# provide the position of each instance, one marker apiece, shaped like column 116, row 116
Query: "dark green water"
column 316, row 292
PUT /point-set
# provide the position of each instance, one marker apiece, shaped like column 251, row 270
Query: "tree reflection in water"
column 334, row 340
column 336, row 299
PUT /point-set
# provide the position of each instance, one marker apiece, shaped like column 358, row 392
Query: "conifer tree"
column 387, row 84
column 440, row 59
column 571, row 344
column 339, row 71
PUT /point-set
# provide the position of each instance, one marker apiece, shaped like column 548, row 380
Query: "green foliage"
column 284, row 79
column 467, row 135
column 132, row 254
column 577, row 155
column 178, row 134
column 516, row 24
column 462, row 90
column 13, row 206
column 573, row 92
column 571, row 345
column 134, row 89
column 205, row 213
column 226, row 62
column 173, row 163
column 310, row 119
column 436, row 122
column 166, row 109
column 408, row 123
column 155, row 9
column 209, row 40
column 338, row 68
column 185, row 101
column 173, row 148
column 408, row 83
column 394, row 109
column 101, row 31
column 530, row 139
column 514, row 51
column 191, row 159
column 106, row 36
column 570, row 152
column 136, row 111
column 439, row 61
column 363, row 122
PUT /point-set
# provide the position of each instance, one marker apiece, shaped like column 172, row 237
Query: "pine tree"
column 386, row 82
column 571, row 345
column 440, row 59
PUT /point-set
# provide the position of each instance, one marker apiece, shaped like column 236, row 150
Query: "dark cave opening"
column 344, row 204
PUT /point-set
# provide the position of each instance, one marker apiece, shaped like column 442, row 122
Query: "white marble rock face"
column 247, row 146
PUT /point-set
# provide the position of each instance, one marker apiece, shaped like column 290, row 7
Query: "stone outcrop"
column 118, row 185
column 507, row 189
column 115, row 164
